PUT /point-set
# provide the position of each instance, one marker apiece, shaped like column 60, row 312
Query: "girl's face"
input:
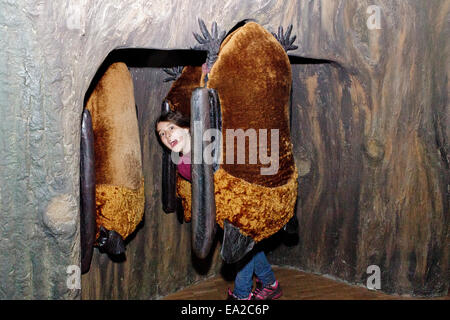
column 174, row 137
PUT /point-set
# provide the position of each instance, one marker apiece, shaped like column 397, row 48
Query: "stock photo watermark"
column 374, row 20
column 73, row 280
column 207, row 148
column 374, row 280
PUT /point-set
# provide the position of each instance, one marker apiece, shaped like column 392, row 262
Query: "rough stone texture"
column 374, row 166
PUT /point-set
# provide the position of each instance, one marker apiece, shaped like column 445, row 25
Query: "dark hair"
column 174, row 117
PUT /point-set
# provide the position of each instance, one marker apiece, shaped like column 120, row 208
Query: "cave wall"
column 372, row 139
column 371, row 142
column 357, row 206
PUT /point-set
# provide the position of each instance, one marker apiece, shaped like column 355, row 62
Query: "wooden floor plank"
column 297, row 285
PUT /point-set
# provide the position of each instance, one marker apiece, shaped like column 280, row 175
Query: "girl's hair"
column 174, row 117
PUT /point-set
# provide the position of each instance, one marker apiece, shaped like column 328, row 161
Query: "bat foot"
column 110, row 242
column 285, row 38
column 174, row 73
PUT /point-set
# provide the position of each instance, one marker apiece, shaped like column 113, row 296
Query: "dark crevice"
column 147, row 58
column 306, row 60
column 158, row 58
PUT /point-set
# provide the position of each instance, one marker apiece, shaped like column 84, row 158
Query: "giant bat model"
column 243, row 87
column 112, row 184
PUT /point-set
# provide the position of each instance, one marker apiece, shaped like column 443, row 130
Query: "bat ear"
column 235, row 245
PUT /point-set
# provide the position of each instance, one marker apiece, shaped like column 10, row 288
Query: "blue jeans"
column 259, row 265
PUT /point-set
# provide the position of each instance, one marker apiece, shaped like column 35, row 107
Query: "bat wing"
column 87, row 191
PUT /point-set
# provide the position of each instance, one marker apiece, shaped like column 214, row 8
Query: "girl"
column 173, row 131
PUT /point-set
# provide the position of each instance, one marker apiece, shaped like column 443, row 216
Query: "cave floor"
column 296, row 285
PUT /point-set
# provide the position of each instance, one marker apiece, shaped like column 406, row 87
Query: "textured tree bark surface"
column 371, row 136
column 364, row 200
column 371, row 142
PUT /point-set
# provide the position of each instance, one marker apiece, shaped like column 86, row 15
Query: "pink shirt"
column 184, row 166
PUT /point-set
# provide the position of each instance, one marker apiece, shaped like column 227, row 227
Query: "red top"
column 184, row 166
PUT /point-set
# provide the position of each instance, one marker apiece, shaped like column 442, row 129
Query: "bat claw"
column 209, row 42
column 173, row 73
column 285, row 38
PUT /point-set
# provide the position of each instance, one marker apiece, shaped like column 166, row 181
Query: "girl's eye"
column 161, row 134
column 171, row 128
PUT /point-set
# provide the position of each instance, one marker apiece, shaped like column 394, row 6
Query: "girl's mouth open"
column 173, row 143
